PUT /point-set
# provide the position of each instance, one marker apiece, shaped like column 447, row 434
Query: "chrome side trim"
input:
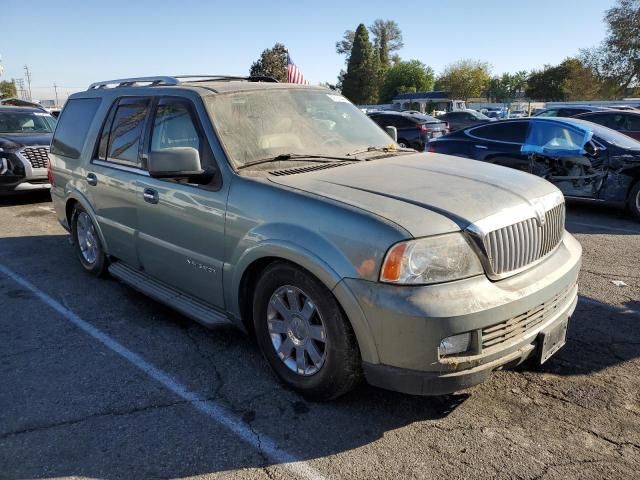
column 123, row 168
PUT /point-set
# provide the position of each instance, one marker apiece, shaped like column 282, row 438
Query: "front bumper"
column 23, row 175
column 406, row 324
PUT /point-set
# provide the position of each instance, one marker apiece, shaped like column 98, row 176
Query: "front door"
column 181, row 225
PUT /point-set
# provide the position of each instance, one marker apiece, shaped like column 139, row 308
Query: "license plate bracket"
column 552, row 339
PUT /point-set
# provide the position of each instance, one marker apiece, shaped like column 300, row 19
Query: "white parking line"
column 212, row 409
column 603, row 227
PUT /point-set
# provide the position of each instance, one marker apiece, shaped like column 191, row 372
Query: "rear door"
column 501, row 143
column 181, row 238
column 114, row 175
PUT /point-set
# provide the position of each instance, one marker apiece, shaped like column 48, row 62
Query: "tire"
column 87, row 243
column 402, row 143
column 633, row 202
column 339, row 368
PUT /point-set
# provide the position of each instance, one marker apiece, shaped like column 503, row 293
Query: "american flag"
column 294, row 75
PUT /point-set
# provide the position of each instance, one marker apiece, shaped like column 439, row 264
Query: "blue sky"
column 74, row 43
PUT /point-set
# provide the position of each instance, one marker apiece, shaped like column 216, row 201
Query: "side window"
column 73, row 126
column 514, row 132
column 555, row 136
column 549, row 113
column 126, row 131
column 633, row 123
column 173, row 126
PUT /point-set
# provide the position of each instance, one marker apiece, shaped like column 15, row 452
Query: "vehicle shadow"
column 599, row 336
column 594, row 218
column 11, row 200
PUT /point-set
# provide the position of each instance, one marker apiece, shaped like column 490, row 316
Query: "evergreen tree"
column 361, row 79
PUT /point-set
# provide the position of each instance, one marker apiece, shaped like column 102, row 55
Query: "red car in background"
column 624, row 121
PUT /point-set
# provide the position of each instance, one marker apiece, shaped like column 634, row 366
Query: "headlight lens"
column 456, row 344
column 430, row 260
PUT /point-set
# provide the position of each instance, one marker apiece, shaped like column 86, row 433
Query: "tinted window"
column 173, row 126
column 73, row 126
column 548, row 113
column 126, row 131
column 505, row 132
column 633, row 123
column 570, row 112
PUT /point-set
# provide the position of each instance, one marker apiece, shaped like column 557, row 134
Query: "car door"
column 181, row 225
column 455, row 120
column 501, row 143
column 114, row 174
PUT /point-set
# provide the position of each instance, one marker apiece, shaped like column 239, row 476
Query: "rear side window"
column 514, row 132
column 123, row 130
column 632, row 123
column 570, row 112
column 73, row 126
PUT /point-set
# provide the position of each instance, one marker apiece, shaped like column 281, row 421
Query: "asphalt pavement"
column 99, row 381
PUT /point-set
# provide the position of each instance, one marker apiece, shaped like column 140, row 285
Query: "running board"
column 185, row 304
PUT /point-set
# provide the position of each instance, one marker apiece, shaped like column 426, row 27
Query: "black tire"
column 633, row 202
column 99, row 266
column 403, row 143
column 341, row 370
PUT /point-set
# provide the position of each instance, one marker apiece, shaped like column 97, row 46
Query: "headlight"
column 456, row 344
column 430, row 260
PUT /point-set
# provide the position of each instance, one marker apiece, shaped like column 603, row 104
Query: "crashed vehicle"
column 282, row 209
column 583, row 159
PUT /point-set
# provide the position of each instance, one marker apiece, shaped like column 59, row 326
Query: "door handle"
column 150, row 195
column 92, row 179
column 482, row 147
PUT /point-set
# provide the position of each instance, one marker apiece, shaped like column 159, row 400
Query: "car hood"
column 425, row 193
column 15, row 140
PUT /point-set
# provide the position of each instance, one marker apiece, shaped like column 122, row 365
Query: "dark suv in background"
column 569, row 111
column 415, row 130
column 25, row 135
column 464, row 118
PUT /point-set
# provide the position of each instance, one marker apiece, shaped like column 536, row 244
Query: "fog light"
column 455, row 344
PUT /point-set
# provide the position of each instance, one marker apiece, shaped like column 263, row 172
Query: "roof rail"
column 174, row 80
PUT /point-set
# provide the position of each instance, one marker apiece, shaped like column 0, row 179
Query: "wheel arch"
column 76, row 198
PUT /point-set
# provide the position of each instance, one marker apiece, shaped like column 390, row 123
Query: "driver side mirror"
column 176, row 162
column 392, row 132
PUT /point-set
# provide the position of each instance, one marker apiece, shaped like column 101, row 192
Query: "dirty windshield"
column 261, row 124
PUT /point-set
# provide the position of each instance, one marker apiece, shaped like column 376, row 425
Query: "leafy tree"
column 571, row 80
column 616, row 61
column 272, row 63
column 359, row 81
column 465, row 79
column 546, row 84
column 8, row 90
column 505, row 87
column 405, row 77
column 387, row 38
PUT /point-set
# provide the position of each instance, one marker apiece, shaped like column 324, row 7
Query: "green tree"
column 507, row 86
column 387, row 38
column 571, row 80
column 546, row 84
column 360, row 80
column 465, row 79
column 8, row 90
column 405, row 77
column 272, row 63
column 616, row 61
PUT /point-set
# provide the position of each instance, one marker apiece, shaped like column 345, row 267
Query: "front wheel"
column 303, row 333
column 633, row 203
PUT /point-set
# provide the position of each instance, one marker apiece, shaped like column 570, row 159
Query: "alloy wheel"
column 87, row 238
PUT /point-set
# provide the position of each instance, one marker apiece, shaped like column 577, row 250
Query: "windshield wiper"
column 298, row 157
column 380, row 149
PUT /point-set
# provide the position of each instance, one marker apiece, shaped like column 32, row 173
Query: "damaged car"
column 583, row 159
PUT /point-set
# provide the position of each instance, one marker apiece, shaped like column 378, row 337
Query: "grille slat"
column 38, row 156
column 515, row 246
column 524, row 323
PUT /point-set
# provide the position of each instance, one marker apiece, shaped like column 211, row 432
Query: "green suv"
column 284, row 210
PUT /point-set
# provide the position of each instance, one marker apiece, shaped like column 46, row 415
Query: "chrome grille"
column 515, row 246
column 38, row 156
column 524, row 323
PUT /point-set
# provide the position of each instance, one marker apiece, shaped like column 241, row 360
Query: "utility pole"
column 55, row 89
column 21, row 91
column 27, row 74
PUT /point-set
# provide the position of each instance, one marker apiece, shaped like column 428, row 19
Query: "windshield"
column 259, row 124
column 26, row 122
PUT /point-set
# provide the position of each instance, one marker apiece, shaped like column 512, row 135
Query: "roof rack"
column 173, row 80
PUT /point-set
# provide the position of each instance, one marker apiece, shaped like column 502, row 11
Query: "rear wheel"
column 87, row 242
column 633, row 202
column 303, row 333
column 402, row 143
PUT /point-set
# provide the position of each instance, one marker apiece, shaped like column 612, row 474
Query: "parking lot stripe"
column 603, row 227
column 212, row 409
